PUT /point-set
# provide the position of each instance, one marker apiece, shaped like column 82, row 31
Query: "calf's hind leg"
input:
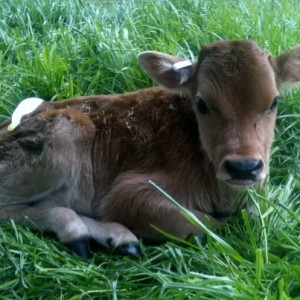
column 62, row 221
column 73, row 229
column 113, row 235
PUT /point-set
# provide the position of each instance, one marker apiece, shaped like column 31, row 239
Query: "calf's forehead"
column 237, row 70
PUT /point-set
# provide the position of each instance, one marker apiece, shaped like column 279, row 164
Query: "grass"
column 60, row 49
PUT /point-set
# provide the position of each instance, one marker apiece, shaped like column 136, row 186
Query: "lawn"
column 59, row 49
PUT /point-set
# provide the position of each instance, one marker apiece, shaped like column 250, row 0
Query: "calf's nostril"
column 257, row 168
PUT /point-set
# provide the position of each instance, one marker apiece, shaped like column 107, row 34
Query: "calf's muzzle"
column 244, row 169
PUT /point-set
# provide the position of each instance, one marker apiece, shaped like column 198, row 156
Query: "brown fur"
column 81, row 167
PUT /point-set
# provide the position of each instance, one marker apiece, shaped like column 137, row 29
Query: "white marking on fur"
column 74, row 230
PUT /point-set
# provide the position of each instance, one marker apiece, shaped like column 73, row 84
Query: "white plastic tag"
column 25, row 107
column 181, row 65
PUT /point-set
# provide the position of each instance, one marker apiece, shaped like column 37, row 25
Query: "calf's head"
column 234, row 88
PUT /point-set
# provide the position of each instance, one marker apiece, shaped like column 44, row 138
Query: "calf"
column 81, row 167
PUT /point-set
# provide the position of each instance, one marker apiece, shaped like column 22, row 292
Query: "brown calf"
column 81, row 167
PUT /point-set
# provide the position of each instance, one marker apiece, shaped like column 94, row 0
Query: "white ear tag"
column 25, row 107
column 181, row 65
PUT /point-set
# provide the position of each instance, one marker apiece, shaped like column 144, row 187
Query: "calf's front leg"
column 135, row 203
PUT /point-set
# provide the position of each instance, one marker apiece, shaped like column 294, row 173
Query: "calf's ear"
column 289, row 66
column 169, row 71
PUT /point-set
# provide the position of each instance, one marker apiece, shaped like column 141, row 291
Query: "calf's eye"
column 202, row 107
column 274, row 104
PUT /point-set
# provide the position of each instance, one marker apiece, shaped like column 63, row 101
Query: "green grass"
column 60, row 49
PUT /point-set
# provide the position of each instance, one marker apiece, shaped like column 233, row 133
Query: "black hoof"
column 133, row 250
column 81, row 247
